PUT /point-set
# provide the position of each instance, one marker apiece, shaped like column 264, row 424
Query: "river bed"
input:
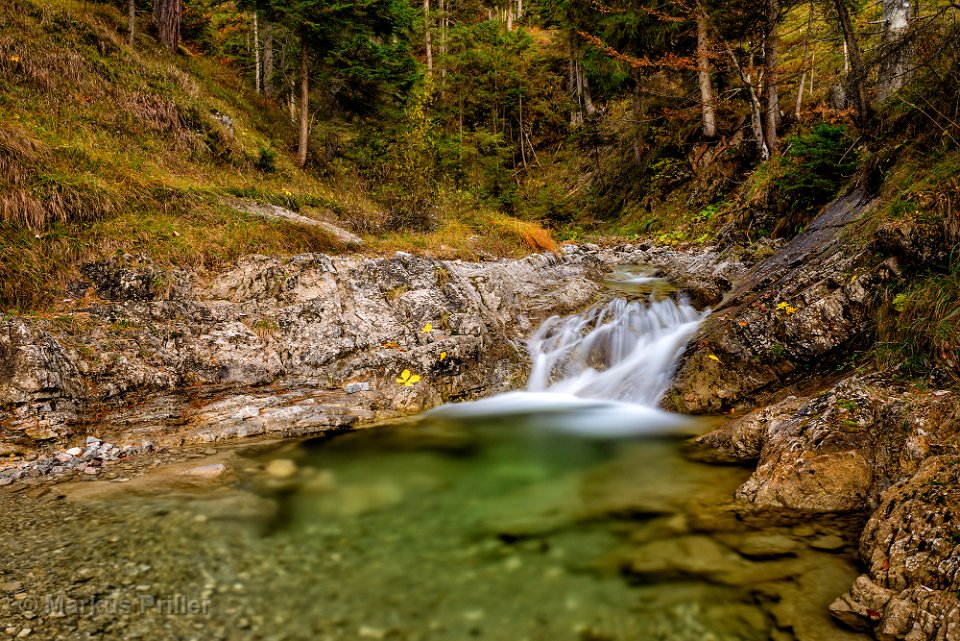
column 571, row 511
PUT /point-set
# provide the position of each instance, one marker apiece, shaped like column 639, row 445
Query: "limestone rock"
column 786, row 317
column 270, row 344
column 913, row 558
column 743, row 439
column 839, row 450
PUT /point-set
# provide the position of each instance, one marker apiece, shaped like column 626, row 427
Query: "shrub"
column 816, row 165
column 920, row 326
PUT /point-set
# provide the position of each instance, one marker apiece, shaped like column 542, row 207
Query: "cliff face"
column 827, row 443
column 274, row 345
column 290, row 346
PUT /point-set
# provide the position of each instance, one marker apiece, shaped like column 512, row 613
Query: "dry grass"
column 106, row 150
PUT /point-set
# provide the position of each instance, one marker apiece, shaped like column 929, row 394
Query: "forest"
column 552, row 320
column 573, row 113
column 465, row 130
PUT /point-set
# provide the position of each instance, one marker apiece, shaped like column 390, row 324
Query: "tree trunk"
column 703, row 75
column 444, row 22
column 268, row 63
column 304, row 103
column 756, row 116
column 584, row 84
column 131, row 21
column 258, row 78
column 756, row 110
column 166, row 19
column 896, row 57
column 576, row 114
column 857, row 76
column 771, row 50
column 806, row 52
column 427, row 36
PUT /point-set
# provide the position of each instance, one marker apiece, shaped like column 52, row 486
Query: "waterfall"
column 622, row 351
column 601, row 372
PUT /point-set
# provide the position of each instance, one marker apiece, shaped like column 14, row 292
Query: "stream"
column 571, row 510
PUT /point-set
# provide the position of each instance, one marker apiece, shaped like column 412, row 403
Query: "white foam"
column 601, row 372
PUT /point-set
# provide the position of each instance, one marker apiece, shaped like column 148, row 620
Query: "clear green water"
column 498, row 530
column 433, row 530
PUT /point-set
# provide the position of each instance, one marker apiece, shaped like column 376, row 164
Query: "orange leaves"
column 669, row 61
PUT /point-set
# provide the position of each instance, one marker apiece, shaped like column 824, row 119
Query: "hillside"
column 106, row 149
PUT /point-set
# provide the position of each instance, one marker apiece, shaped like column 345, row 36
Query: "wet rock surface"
column 911, row 548
column 822, row 443
column 788, row 317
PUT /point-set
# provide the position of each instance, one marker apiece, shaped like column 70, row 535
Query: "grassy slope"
column 105, row 149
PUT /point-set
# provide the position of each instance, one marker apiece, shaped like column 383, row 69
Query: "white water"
column 623, row 351
column 601, row 372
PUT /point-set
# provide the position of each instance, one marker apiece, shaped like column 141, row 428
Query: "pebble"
column 828, row 543
column 281, row 468
column 6, row 480
column 93, row 440
column 212, row 471
column 24, row 633
column 63, row 457
column 74, row 451
column 353, row 388
column 91, row 470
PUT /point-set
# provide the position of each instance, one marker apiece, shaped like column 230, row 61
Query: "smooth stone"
column 828, row 543
column 74, row 451
column 763, row 545
column 213, row 471
column 281, row 468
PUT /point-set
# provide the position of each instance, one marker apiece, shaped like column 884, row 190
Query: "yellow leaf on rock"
column 714, row 358
column 407, row 379
column 428, row 327
column 443, row 355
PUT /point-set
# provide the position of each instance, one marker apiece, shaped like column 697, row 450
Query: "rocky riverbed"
column 289, row 347
column 146, row 360
column 829, row 438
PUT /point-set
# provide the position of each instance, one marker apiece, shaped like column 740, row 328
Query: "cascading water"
column 622, row 351
column 601, row 372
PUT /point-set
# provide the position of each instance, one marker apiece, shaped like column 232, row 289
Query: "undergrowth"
column 107, row 149
column 918, row 328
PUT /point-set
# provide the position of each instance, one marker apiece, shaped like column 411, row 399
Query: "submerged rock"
column 912, row 552
column 281, row 468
